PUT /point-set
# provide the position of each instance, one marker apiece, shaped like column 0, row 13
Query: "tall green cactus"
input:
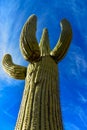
column 40, row 106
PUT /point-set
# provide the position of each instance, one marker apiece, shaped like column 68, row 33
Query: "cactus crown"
column 29, row 45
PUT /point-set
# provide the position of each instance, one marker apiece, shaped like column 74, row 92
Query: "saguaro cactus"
column 40, row 106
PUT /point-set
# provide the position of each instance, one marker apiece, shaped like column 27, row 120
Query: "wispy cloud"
column 80, row 114
column 82, row 98
column 9, row 115
column 83, row 117
column 10, row 27
column 75, row 65
column 76, row 112
column 70, row 126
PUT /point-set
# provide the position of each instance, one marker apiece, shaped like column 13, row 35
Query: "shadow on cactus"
column 40, row 105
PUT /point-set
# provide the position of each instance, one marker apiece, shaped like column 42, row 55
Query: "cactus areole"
column 40, row 105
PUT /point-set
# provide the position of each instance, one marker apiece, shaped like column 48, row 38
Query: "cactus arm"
column 13, row 70
column 28, row 42
column 64, row 41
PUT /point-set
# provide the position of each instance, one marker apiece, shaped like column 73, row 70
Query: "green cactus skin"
column 40, row 106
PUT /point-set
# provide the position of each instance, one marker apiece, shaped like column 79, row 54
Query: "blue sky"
column 72, row 69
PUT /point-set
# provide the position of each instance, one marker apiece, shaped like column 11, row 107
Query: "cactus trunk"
column 40, row 107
